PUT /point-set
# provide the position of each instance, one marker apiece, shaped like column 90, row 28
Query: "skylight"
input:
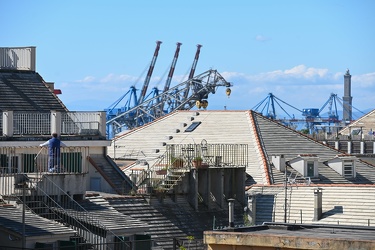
column 192, row 126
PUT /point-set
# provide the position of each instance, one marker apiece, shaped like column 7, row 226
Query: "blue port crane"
column 200, row 86
column 132, row 101
column 268, row 107
column 313, row 118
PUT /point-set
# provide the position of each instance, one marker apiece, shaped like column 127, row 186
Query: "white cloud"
column 261, row 38
column 112, row 78
column 364, row 81
column 87, row 79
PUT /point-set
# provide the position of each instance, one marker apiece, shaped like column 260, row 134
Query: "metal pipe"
column 231, row 212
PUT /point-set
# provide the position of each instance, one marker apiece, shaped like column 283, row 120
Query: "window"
column 310, row 169
column 192, row 126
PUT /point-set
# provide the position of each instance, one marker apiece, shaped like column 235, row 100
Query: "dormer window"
column 344, row 165
column 306, row 165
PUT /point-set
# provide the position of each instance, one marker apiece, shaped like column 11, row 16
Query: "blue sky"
column 296, row 50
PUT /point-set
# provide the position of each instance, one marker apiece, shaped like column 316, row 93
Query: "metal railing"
column 181, row 158
column 36, row 123
column 213, row 155
column 41, row 195
column 339, row 137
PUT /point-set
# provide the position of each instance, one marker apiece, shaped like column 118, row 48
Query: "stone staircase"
column 160, row 227
column 173, row 178
column 172, row 217
column 115, row 177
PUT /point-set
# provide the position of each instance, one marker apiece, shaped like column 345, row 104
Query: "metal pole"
column 23, row 217
column 286, row 193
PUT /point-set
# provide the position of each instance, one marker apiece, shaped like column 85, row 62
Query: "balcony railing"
column 64, row 123
column 35, row 160
column 212, row 155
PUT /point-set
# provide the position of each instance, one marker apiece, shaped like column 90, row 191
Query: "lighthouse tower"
column 347, row 98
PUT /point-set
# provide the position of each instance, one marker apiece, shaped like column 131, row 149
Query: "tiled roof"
column 281, row 140
column 265, row 138
column 11, row 219
column 26, row 91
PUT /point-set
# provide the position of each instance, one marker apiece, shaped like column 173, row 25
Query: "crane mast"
column 173, row 66
column 192, row 71
column 149, row 73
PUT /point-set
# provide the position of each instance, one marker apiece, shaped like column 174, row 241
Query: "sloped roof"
column 11, row 220
column 26, row 91
column 281, row 140
column 265, row 138
column 366, row 122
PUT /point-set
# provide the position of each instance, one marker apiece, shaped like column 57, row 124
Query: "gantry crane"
column 313, row 118
column 267, row 107
column 132, row 101
column 199, row 88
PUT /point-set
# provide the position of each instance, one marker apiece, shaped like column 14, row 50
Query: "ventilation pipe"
column 231, row 212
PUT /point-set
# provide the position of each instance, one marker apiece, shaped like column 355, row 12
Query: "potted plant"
column 177, row 162
column 197, row 162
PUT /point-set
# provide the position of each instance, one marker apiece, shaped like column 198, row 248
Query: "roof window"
column 192, row 126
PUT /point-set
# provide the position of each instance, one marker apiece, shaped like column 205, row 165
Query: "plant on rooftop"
column 177, row 162
column 197, row 162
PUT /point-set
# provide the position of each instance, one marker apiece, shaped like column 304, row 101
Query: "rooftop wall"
column 18, row 58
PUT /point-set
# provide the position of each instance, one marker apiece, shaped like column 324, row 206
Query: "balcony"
column 26, row 125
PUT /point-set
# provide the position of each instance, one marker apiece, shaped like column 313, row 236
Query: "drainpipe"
column 317, row 204
column 231, row 213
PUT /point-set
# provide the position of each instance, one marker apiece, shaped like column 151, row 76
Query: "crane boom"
column 171, row 70
column 149, row 73
column 192, row 71
column 201, row 86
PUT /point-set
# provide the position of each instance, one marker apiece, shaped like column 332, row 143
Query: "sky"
column 299, row 51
